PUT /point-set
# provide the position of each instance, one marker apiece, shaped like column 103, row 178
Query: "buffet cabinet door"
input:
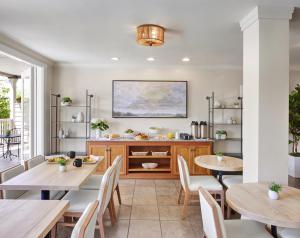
column 185, row 152
column 198, row 151
column 100, row 150
column 114, row 151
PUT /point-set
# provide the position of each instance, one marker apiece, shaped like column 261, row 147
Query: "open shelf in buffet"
column 135, row 161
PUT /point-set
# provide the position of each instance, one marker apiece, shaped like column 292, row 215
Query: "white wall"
column 72, row 80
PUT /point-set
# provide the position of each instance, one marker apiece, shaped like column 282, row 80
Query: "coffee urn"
column 203, row 129
column 194, row 129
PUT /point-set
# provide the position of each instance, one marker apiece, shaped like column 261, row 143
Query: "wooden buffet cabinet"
column 132, row 165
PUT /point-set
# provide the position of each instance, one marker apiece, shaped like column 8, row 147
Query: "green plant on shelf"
column 67, row 100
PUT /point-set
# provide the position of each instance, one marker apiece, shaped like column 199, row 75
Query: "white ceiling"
column 93, row 31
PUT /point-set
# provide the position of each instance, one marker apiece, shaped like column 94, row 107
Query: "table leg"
column 45, row 195
column 220, row 176
column 274, row 231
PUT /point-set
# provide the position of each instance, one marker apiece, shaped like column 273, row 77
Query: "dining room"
column 150, row 119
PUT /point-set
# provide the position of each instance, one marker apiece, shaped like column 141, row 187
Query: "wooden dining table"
column 252, row 201
column 46, row 177
column 29, row 218
column 227, row 164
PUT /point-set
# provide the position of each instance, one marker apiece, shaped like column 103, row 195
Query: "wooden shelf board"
column 141, row 169
column 148, row 157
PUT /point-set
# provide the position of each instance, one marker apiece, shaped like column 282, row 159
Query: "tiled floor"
column 149, row 209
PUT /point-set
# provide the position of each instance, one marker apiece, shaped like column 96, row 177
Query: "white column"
column 265, row 94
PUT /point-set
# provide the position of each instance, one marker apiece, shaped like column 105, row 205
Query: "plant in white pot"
column 99, row 125
column 219, row 156
column 294, row 129
column 66, row 101
column 273, row 192
column 223, row 134
column 62, row 164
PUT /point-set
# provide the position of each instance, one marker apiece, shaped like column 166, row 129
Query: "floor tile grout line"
column 161, row 232
column 131, row 210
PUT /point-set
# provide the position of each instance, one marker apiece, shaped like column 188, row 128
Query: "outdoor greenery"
column 275, row 187
column 294, row 119
column 4, row 103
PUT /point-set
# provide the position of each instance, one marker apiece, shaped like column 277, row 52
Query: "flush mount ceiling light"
column 185, row 59
column 150, row 59
column 150, row 35
column 115, row 59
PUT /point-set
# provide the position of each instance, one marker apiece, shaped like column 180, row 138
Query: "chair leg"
column 119, row 194
column 18, row 150
column 101, row 226
column 185, row 205
column 222, row 202
column 53, row 231
column 180, row 194
column 111, row 213
column 228, row 212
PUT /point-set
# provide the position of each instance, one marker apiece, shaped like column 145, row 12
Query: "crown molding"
column 266, row 13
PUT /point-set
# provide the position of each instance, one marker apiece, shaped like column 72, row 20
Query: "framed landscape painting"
column 149, row 99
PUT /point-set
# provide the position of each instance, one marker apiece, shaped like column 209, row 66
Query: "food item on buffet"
column 170, row 135
column 141, row 136
column 129, row 131
column 87, row 160
column 154, row 130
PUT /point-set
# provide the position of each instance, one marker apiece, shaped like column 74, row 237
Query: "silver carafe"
column 203, row 129
column 194, row 129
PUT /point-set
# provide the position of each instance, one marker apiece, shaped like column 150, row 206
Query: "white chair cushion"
column 288, row 232
column 229, row 180
column 36, row 195
column 206, row 182
column 245, row 229
column 93, row 183
column 80, row 199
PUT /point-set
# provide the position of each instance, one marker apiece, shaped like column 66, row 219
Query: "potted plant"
column 294, row 129
column 236, row 104
column 218, row 135
column 219, row 156
column 18, row 98
column 8, row 132
column 66, row 101
column 62, row 164
column 99, row 125
column 273, row 192
column 223, row 134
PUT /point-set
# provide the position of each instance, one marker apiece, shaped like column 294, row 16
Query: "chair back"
column 212, row 216
column 8, row 174
column 118, row 163
column 106, row 188
column 85, row 227
column 5, row 124
column 34, row 161
column 16, row 140
column 184, row 173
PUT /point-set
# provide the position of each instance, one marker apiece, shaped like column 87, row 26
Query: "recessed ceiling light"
column 185, row 59
column 115, row 59
column 150, row 59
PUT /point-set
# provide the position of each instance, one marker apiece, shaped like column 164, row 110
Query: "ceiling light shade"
column 150, row 59
column 150, row 35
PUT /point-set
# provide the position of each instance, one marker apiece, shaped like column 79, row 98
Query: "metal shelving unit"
column 56, row 121
column 212, row 124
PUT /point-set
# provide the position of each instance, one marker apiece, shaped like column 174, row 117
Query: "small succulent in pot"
column 66, row 101
column 8, row 132
column 62, row 164
column 219, row 156
column 274, row 190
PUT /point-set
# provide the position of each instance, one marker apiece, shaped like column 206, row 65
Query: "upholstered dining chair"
column 80, row 199
column 34, row 161
column 94, row 181
column 85, row 227
column 214, row 225
column 191, row 184
column 283, row 232
column 228, row 181
column 20, row 194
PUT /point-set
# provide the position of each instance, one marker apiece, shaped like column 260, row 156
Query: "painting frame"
column 150, row 81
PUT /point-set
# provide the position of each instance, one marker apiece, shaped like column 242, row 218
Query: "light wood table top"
column 47, row 177
column 226, row 164
column 29, row 218
column 252, row 201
